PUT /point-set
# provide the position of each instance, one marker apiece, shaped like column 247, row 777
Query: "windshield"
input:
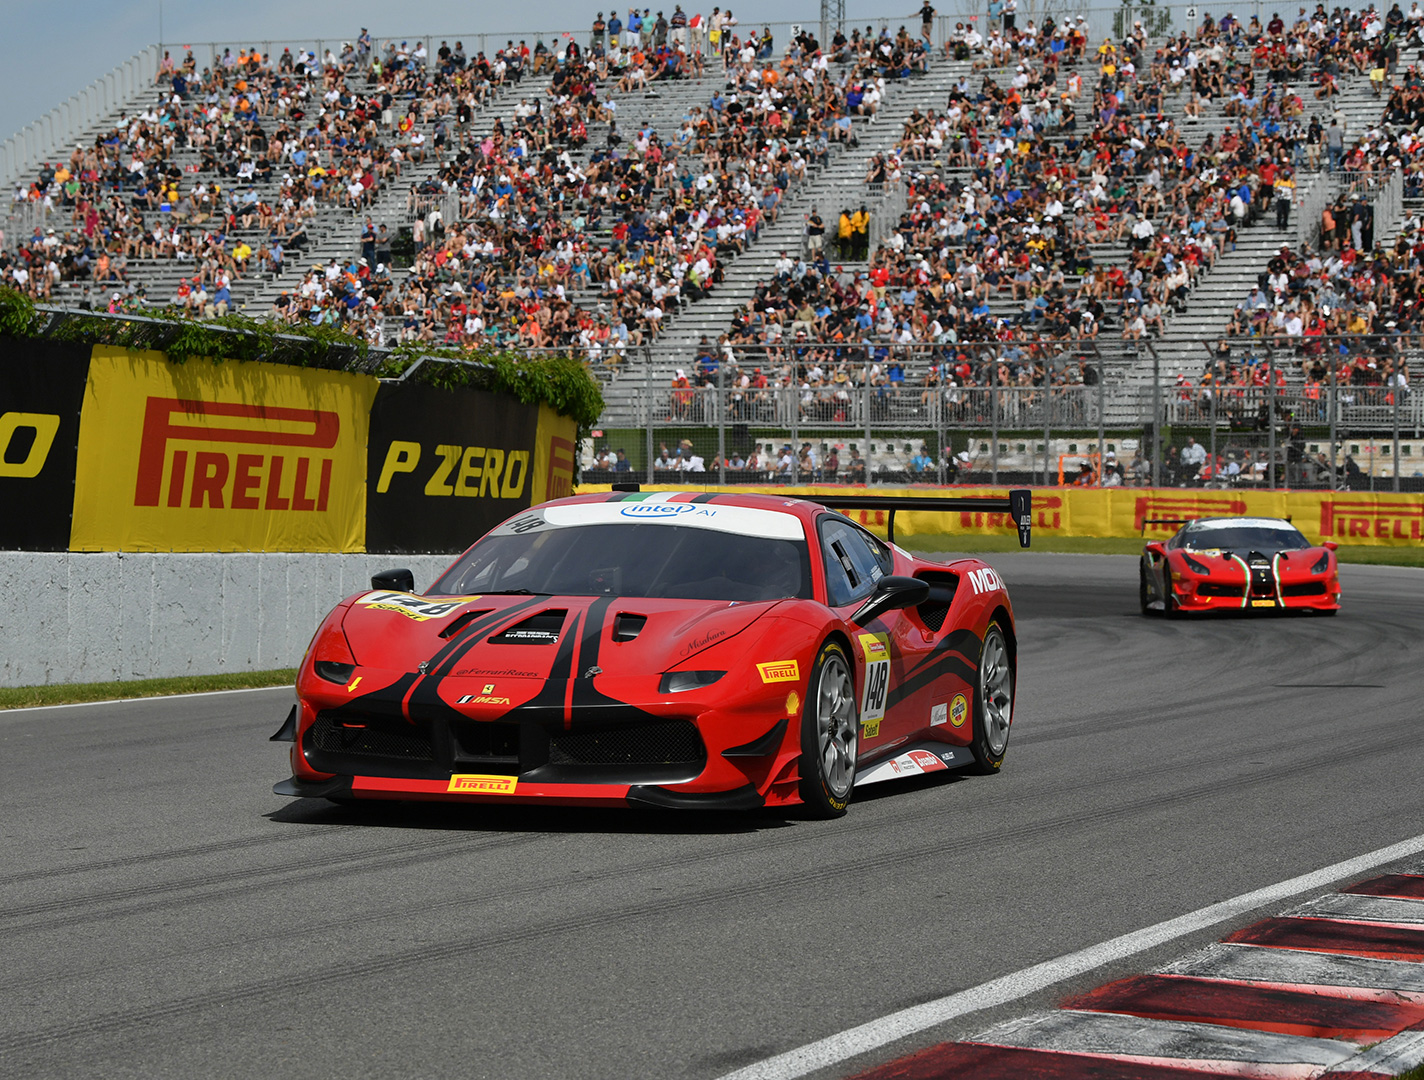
column 1245, row 538
column 653, row 559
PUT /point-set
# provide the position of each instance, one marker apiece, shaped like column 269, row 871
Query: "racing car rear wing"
column 1018, row 504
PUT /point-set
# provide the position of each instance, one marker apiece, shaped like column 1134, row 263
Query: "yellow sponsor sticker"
column 1263, row 603
column 875, row 646
column 870, row 729
column 958, row 710
column 793, row 703
column 780, row 671
column 477, row 784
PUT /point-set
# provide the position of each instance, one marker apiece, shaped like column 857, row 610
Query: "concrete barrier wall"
column 94, row 617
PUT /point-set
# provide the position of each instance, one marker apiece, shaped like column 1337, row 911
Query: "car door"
column 854, row 560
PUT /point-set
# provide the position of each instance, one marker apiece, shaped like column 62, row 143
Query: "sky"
column 57, row 50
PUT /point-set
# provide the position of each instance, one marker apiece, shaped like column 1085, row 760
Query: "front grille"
column 381, row 738
column 1307, row 588
column 672, row 742
column 487, row 739
column 1213, row 588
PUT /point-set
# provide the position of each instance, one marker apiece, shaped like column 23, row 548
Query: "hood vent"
column 628, row 626
column 541, row 629
column 463, row 621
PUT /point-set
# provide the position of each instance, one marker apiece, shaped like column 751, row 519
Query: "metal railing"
column 53, row 133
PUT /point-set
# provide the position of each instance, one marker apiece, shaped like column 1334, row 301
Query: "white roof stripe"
column 749, row 521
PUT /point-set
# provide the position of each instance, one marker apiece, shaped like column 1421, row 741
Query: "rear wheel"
column 830, row 733
column 994, row 702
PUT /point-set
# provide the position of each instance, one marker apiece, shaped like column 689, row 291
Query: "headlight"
column 1322, row 564
column 676, row 682
column 331, row 671
column 1194, row 566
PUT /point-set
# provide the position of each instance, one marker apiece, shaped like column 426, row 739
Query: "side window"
column 852, row 561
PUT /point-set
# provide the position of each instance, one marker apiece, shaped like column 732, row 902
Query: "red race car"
column 1236, row 564
column 670, row 649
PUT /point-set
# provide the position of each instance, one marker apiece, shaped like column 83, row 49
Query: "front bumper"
column 1258, row 594
column 620, row 755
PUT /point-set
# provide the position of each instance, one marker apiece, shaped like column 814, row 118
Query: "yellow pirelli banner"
column 220, row 457
column 1348, row 517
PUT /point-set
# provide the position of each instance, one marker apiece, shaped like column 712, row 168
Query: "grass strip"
column 22, row 697
column 974, row 543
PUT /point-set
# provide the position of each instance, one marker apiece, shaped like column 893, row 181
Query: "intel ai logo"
column 658, row 510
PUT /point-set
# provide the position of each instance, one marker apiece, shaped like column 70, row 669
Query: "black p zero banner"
column 445, row 466
column 41, row 395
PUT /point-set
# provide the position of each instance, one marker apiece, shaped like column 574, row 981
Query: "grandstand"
column 1050, row 241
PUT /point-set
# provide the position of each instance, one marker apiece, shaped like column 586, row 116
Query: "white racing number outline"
column 877, row 677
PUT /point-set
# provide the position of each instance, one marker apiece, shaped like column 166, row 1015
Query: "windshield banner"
column 1347, row 517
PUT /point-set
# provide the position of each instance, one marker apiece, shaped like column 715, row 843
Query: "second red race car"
column 670, row 649
column 1238, row 564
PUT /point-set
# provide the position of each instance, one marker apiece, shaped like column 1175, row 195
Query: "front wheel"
column 1144, row 590
column 829, row 735
column 994, row 703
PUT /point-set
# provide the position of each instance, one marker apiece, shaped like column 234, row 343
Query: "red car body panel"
column 436, row 670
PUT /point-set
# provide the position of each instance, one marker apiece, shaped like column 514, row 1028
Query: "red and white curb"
column 1292, row 997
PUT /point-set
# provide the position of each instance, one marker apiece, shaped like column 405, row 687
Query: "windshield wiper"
column 513, row 592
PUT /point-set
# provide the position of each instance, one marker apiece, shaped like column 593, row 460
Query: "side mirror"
column 1330, row 545
column 1156, row 549
column 401, row 580
column 891, row 593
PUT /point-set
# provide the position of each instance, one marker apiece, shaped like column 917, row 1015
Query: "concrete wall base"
column 96, row 617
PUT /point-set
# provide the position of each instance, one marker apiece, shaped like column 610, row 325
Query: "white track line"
column 838, row 1048
column 147, row 697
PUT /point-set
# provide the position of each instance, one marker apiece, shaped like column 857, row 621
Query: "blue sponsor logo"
column 663, row 510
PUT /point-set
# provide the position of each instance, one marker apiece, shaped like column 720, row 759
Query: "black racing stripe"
column 947, row 664
column 964, row 642
column 594, row 621
column 385, row 702
column 705, row 497
column 445, row 658
column 551, row 694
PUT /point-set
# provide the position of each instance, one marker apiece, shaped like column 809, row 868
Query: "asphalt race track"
column 162, row 914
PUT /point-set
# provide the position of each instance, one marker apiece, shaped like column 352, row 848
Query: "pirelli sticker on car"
column 780, row 671
column 477, row 784
column 413, row 607
column 958, row 710
column 985, row 581
column 877, row 677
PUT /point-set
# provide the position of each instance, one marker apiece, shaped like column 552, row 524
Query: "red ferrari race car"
column 1235, row 564
column 670, row 649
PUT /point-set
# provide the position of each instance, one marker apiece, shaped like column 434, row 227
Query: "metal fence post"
column 1048, row 427
column 1394, row 395
column 1272, row 476
column 795, row 427
column 1156, row 416
column 994, row 419
column 1334, row 407
column 869, row 465
column 939, row 430
column 648, row 410
column 722, row 421
column 1102, row 420
column 1213, row 419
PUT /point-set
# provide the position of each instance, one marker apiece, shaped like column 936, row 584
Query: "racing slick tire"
column 993, row 701
column 830, row 734
column 1143, row 593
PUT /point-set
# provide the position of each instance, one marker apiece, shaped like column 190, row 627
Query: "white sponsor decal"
column 939, row 714
column 984, row 581
column 877, row 677
column 413, row 607
column 744, row 520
